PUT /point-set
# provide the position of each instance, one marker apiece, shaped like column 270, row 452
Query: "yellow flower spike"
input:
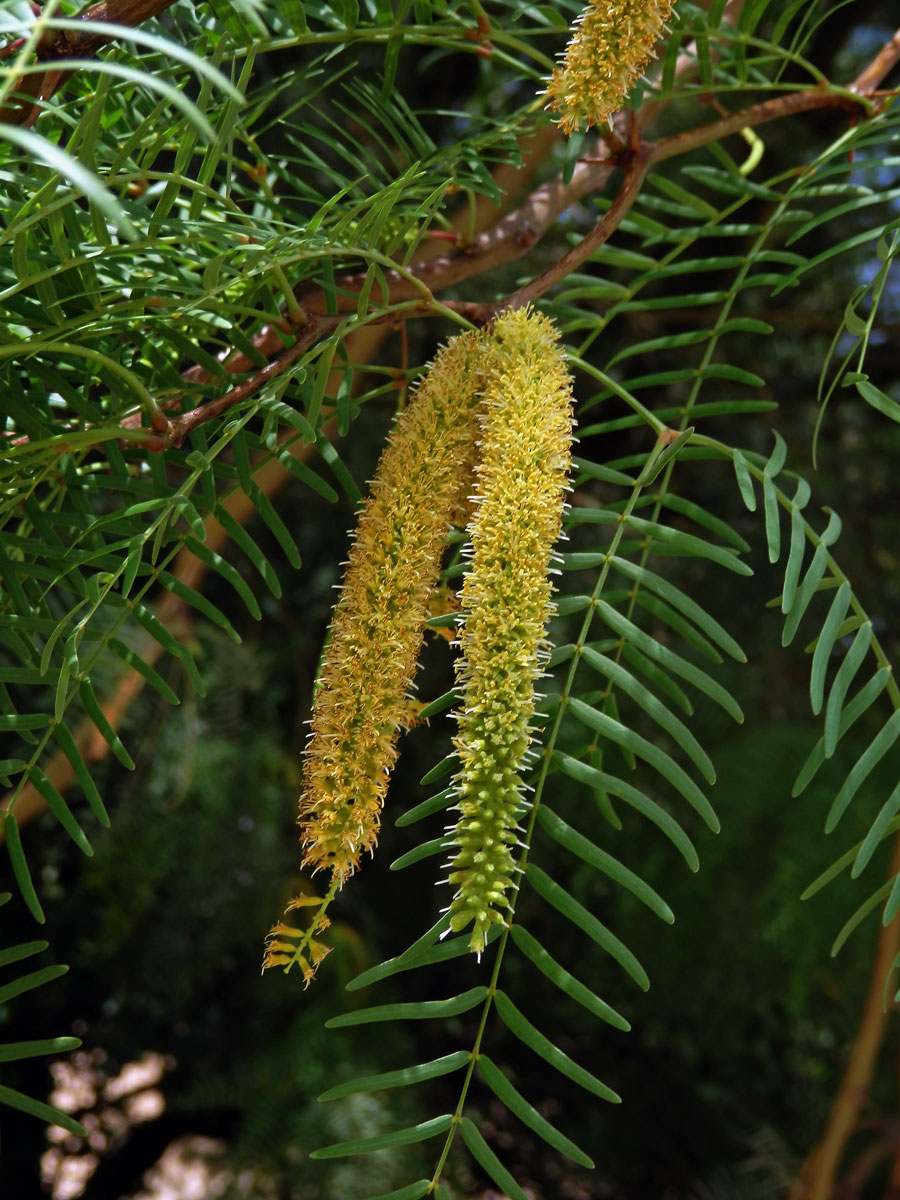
column 521, row 484
column 361, row 703
column 361, row 700
column 612, row 44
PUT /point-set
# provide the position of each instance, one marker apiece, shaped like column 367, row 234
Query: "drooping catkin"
column 612, row 43
column 521, row 484
column 362, row 701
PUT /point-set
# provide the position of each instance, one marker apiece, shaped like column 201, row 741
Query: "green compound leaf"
column 156, row 681
column 67, row 744
column 654, row 812
column 384, row 1141
column 795, row 560
column 527, row 1114
column 656, row 464
column 170, row 643
column 773, row 526
column 216, row 563
column 106, row 731
column 439, row 771
column 744, row 480
column 658, row 677
column 669, row 659
column 519, row 1025
column 574, row 988
column 565, row 903
column 892, row 903
column 433, row 804
column 654, row 707
column 702, row 517
column 197, row 601
column 830, row 873
column 72, row 171
column 777, row 458
column 241, row 538
column 880, row 828
column 668, row 616
column 44, row 1112
column 879, row 400
column 825, row 645
column 414, row 1192
column 864, row 699
column 27, row 983
column 448, row 699
column 871, row 756
column 24, row 950
column 422, row 953
column 685, row 605
column 805, row 593
column 13, row 1051
column 60, row 809
column 846, row 673
column 489, row 1162
column 399, row 1078
column 10, row 827
column 421, row 1011
column 585, row 849
column 633, row 742
column 671, row 541
column 425, row 850
column 270, row 516
column 860, row 915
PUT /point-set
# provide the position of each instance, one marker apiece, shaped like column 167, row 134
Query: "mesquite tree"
column 229, row 227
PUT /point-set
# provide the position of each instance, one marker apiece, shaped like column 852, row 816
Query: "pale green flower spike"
column 521, row 484
column 612, row 44
column 362, row 700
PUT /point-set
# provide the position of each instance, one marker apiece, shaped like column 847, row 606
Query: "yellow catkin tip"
column 521, row 484
column 611, row 46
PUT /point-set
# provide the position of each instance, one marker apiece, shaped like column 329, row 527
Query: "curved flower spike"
column 361, row 701
column 611, row 46
column 521, row 484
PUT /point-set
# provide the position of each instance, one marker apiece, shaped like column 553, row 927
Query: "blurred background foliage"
column 734, row 1054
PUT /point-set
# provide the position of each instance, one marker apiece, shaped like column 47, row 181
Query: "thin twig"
column 816, row 1180
column 871, row 75
column 181, row 426
column 757, row 114
column 602, row 231
column 58, row 45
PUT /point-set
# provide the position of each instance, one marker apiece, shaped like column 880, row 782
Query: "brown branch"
column 57, row 45
column 602, row 231
column 816, row 1180
column 756, row 114
column 70, row 43
column 180, row 427
column 871, row 75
